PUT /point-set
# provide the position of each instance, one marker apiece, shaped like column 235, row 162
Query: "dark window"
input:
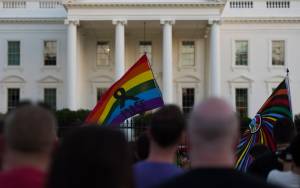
column 100, row 92
column 13, row 53
column 241, row 101
column 50, row 50
column 188, row 99
column 50, row 97
column 13, row 98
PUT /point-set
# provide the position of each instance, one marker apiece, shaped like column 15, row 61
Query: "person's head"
column 283, row 132
column 29, row 136
column 213, row 132
column 295, row 150
column 91, row 156
column 142, row 147
column 258, row 150
column 167, row 126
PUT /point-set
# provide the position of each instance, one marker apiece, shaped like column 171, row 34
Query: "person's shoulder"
column 215, row 178
column 26, row 177
column 274, row 173
column 252, row 181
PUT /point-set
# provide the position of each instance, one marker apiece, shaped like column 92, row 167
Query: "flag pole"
column 287, row 80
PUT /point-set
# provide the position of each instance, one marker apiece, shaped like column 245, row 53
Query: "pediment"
column 241, row 79
column 102, row 79
column 50, row 79
column 13, row 79
column 275, row 79
column 188, row 79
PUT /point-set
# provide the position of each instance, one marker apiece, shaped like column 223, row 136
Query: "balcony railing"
column 50, row 4
column 278, row 4
column 241, row 4
column 14, row 4
column 22, row 4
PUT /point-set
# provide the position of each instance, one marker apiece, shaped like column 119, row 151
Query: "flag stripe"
column 276, row 107
column 132, row 92
column 149, row 94
column 153, row 103
column 137, row 69
column 145, row 76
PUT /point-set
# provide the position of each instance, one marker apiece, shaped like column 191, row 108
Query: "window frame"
column 235, row 102
column 182, row 88
column 270, row 65
column 241, row 82
column 109, row 55
column 180, row 47
column 233, row 54
column 56, row 96
column 7, row 50
column 105, row 89
column 57, row 51
column 7, row 97
column 139, row 53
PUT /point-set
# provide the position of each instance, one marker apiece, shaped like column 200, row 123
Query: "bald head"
column 30, row 129
column 213, row 125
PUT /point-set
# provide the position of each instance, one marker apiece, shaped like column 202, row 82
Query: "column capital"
column 119, row 21
column 74, row 22
column 167, row 21
column 212, row 21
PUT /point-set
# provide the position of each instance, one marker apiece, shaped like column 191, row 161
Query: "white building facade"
column 68, row 53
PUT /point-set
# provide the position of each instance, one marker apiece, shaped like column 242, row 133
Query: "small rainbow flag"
column 136, row 92
column 260, row 131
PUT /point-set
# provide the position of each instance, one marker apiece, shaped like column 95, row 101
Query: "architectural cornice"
column 33, row 20
column 268, row 20
column 71, row 4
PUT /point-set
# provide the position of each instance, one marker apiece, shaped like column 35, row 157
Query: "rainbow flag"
column 260, row 129
column 136, row 92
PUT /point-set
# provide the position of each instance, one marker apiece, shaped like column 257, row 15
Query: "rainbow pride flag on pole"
column 136, row 92
column 260, row 131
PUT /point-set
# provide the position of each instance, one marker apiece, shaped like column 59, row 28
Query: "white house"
column 67, row 53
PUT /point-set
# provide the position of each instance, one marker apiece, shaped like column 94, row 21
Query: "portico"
column 164, row 29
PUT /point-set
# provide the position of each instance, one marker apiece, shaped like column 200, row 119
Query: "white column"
column 119, row 48
column 71, row 81
column 167, row 61
column 215, row 77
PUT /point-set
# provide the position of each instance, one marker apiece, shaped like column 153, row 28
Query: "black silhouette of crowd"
column 32, row 156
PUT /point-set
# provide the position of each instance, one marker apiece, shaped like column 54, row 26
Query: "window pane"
column 50, row 50
column 187, row 53
column 241, row 53
column 188, row 99
column 241, row 101
column 13, row 98
column 13, row 52
column 146, row 47
column 103, row 53
column 278, row 52
column 50, row 97
column 100, row 92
